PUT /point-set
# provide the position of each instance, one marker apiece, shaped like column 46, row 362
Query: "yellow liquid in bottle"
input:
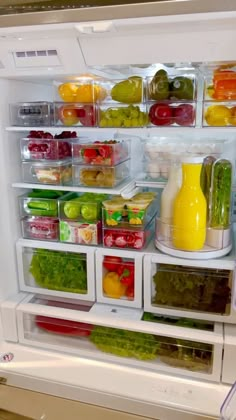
column 189, row 215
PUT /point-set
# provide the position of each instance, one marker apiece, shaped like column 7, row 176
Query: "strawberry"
column 89, row 154
column 105, row 151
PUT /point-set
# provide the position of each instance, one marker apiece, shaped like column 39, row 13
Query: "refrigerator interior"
column 113, row 50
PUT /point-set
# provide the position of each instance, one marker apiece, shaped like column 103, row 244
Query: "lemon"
column 67, row 92
column 218, row 115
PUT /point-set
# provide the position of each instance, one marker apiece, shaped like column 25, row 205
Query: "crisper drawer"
column 56, row 270
column 119, row 277
column 101, row 333
column 228, row 369
column 190, row 289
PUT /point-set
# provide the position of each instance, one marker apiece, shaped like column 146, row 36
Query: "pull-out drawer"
column 190, row 289
column 54, row 269
column 122, row 337
column 119, row 277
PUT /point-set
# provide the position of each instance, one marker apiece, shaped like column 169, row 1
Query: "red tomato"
column 160, row 114
column 112, row 263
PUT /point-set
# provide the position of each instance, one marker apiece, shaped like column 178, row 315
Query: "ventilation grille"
column 40, row 53
column 36, row 58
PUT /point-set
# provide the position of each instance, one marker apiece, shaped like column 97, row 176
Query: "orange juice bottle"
column 189, row 213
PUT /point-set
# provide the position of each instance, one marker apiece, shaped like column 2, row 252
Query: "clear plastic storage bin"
column 105, row 153
column 172, row 114
column 132, row 237
column 83, row 207
column 129, row 116
column 178, row 86
column 73, row 114
column 187, row 290
column 220, row 85
column 44, row 149
column 35, row 205
column 100, row 176
column 83, row 233
column 127, row 91
column 219, row 114
column 119, row 278
column 43, row 228
column 31, row 114
column 67, row 273
column 52, row 173
column 80, row 90
column 131, row 213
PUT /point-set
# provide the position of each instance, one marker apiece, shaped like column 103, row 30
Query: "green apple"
column 72, row 210
column 89, row 211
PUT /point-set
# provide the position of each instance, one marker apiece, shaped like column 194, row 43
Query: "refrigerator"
column 169, row 357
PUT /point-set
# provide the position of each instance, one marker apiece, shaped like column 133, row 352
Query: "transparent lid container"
column 172, row 114
column 101, row 152
column 31, row 114
column 118, row 115
column 179, row 85
column 100, row 176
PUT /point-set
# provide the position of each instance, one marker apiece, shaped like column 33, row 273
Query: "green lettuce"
column 56, row 270
column 125, row 343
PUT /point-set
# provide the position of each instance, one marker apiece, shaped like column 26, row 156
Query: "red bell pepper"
column 224, row 84
column 126, row 273
column 130, row 293
column 112, row 263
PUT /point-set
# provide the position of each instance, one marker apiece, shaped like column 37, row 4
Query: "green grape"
column 124, row 112
column 102, row 114
column 134, row 113
column 117, row 122
column 134, row 122
column 114, row 113
column 103, row 122
column 108, row 113
column 127, row 123
column 110, row 122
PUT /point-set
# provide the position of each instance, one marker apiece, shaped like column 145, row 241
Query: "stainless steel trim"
column 156, row 8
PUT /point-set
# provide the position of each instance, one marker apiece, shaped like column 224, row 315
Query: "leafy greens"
column 56, row 270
